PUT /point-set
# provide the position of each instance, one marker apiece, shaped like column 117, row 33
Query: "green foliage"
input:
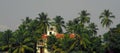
column 6, row 40
column 25, row 38
column 106, row 18
column 92, row 29
column 64, row 45
column 43, row 22
column 112, row 39
column 84, row 17
column 59, row 23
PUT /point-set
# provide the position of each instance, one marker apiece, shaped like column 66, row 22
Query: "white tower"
column 51, row 30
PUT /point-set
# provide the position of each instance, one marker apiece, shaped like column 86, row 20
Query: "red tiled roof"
column 72, row 35
column 44, row 36
column 59, row 35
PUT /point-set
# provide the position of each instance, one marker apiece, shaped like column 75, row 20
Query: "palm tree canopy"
column 27, row 20
column 84, row 17
column 106, row 18
column 6, row 39
column 70, row 26
column 92, row 28
column 43, row 22
column 59, row 23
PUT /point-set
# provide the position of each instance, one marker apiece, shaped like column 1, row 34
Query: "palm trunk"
column 109, row 49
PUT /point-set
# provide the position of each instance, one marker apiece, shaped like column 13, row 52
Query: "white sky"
column 12, row 11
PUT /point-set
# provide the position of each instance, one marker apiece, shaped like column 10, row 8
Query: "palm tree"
column 96, row 46
column 92, row 28
column 27, row 20
column 70, row 26
column 82, row 38
column 59, row 23
column 31, row 30
column 106, row 18
column 73, row 25
column 84, row 17
column 7, row 40
column 22, row 41
column 43, row 22
column 106, row 21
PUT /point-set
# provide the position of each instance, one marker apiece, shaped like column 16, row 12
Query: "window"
column 50, row 33
column 51, row 28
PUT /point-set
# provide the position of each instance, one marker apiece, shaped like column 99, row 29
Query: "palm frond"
column 16, row 50
column 28, row 48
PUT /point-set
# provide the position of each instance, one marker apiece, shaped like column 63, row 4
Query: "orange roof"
column 59, row 35
column 72, row 35
column 44, row 36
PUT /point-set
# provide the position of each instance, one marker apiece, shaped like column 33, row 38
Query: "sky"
column 12, row 11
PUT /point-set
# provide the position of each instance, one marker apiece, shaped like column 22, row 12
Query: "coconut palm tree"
column 22, row 41
column 84, row 17
column 70, row 26
column 31, row 30
column 59, row 23
column 43, row 22
column 73, row 26
column 92, row 28
column 106, row 18
column 106, row 21
column 27, row 20
column 7, row 40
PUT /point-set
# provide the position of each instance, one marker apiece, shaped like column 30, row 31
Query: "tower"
column 51, row 30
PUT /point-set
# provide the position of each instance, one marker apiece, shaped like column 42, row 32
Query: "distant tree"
column 106, row 18
column 106, row 21
column 113, row 41
column 7, row 40
column 43, row 22
column 59, row 23
column 92, row 28
column 22, row 41
column 70, row 26
column 26, row 21
column 33, row 30
column 84, row 17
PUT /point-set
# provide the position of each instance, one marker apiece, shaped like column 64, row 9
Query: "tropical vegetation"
column 75, row 36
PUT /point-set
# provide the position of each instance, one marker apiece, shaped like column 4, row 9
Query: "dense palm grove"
column 85, row 39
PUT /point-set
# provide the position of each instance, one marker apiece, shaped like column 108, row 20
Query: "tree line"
column 84, row 40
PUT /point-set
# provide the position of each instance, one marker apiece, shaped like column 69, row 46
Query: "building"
column 41, row 45
column 51, row 30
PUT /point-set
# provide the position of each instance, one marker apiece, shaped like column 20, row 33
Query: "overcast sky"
column 12, row 11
